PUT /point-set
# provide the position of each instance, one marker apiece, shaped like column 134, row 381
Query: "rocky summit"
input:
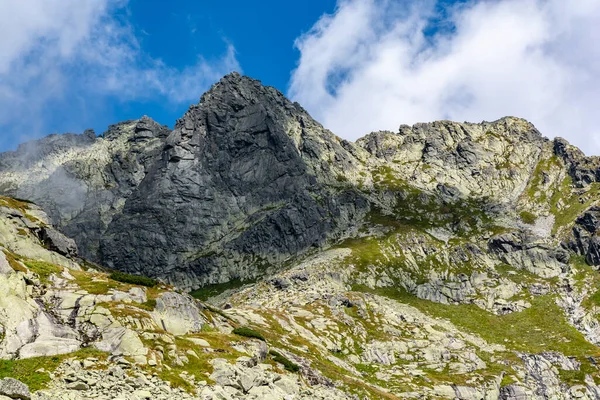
column 250, row 253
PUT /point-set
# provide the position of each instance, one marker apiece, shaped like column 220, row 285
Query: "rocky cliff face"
column 81, row 181
column 242, row 184
column 445, row 260
column 245, row 181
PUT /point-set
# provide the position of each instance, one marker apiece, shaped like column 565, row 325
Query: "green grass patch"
column 133, row 279
column 352, row 311
column 16, row 204
column 94, row 283
column 43, row 269
column 528, row 217
column 542, row 327
column 367, row 369
column 26, row 370
column 248, row 332
column 287, row 364
column 12, row 261
column 148, row 305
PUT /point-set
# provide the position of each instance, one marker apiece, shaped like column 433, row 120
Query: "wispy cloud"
column 70, row 54
column 375, row 64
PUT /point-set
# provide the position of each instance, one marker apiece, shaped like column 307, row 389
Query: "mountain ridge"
column 445, row 261
column 296, row 156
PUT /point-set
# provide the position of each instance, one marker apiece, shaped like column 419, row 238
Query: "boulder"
column 56, row 241
column 14, row 389
column 5, row 267
column 178, row 314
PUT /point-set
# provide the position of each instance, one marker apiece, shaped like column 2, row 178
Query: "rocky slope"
column 445, row 260
column 71, row 331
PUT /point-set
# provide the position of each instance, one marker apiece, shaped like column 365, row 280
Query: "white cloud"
column 65, row 56
column 371, row 65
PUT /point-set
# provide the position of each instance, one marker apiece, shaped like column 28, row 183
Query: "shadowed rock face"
column 82, row 181
column 240, row 185
column 237, row 187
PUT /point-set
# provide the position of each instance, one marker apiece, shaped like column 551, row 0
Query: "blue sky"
column 175, row 33
column 262, row 32
column 355, row 65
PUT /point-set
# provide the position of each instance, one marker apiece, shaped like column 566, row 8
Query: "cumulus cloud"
column 376, row 64
column 67, row 56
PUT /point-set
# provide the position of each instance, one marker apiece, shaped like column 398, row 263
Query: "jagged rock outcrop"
column 585, row 240
column 583, row 170
column 240, row 183
column 491, row 159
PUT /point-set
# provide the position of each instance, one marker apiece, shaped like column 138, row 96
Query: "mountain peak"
column 238, row 91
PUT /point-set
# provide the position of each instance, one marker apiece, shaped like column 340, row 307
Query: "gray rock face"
column 14, row 389
column 56, row 241
column 82, row 181
column 238, row 183
column 523, row 252
column 583, row 170
column 585, row 240
column 491, row 159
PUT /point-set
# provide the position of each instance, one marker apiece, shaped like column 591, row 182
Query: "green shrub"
column 341, row 178
column 247, row 332
column 133, row 279
column 287, row 364
column 215, row 289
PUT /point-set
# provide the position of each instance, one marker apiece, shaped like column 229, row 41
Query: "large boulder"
column 178, row 314
column 14, row 389
column 56, row 241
